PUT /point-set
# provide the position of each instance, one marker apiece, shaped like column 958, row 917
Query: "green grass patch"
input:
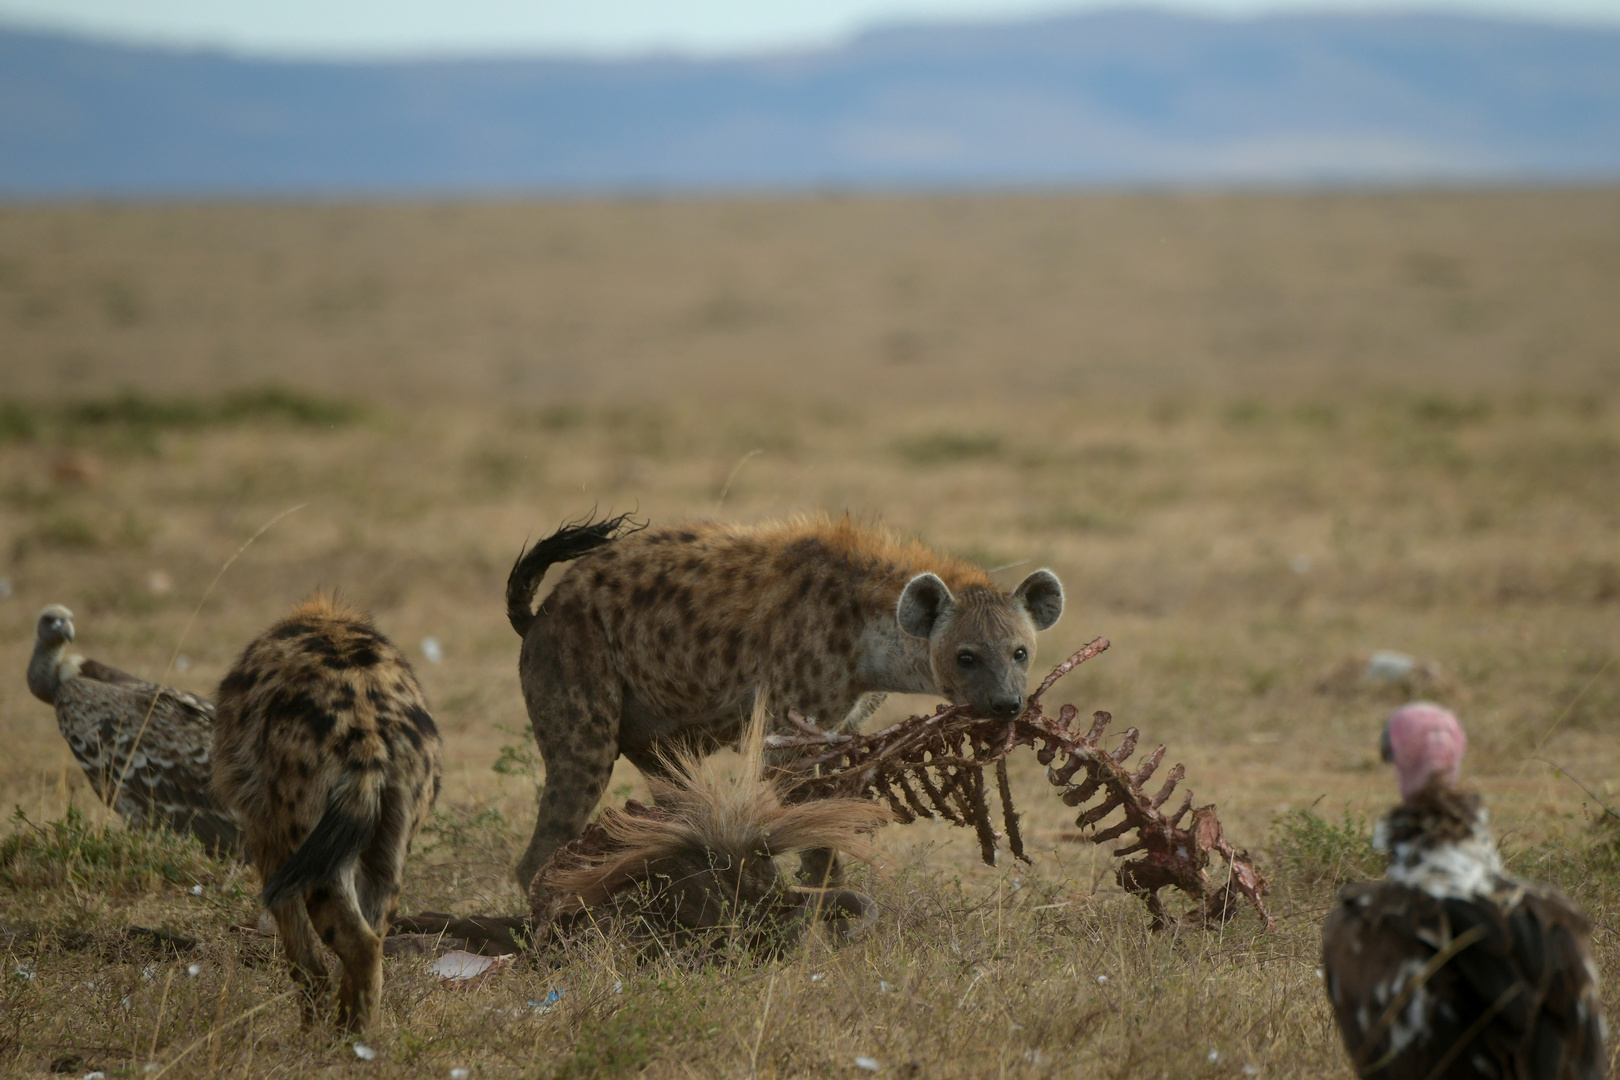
column 98, row 858
column 1450, row 412
column 625, row 1042
column 1311, row 850
column 944, row 447
column 131, row 413
column 458, row 830
column 268, row 403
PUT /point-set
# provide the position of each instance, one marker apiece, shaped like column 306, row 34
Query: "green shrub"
column 98, row 858
column 1313, row 851
column 460, row 831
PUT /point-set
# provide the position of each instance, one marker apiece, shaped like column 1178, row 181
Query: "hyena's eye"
column 964, row 659
column 1020, row 654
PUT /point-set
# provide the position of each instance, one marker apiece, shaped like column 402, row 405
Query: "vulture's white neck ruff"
column 1453, row 869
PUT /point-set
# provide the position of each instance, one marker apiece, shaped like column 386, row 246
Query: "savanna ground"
column 1259, row 438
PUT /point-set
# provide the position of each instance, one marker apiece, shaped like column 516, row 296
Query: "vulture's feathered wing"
column 144, row 748
column 1452, row 968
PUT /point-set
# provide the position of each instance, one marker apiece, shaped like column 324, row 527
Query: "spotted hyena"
column 661, row 639
column 326, row 754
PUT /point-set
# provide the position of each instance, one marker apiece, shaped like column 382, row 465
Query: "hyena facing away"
column 661, row 640
column 325, row 752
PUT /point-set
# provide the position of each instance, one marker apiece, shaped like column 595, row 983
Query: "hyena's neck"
column 889, row 659
column 893, row 661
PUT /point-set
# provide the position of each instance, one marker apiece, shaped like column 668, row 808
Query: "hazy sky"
column 392, row 27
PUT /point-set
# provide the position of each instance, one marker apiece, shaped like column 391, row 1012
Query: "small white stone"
column 1385, row 666
column 1318, row 973
column 193, row 970
column 816, row 977
column 867, row 1063
column 1214, row 1056
column 432, row 650
column 97, row 1075
column 196, row 890
column 1251, row 1069
column 364, row 1053
column 1102, row 980
column 458, row 1073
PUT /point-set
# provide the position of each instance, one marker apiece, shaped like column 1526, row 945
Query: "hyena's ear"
column 1042, row 596
column 923, row 602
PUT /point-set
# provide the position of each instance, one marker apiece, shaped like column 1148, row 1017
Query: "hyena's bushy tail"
column 569, row 542
column 343, row 832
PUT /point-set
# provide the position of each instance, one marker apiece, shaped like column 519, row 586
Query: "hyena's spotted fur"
column 661, row 639
column 325, row 752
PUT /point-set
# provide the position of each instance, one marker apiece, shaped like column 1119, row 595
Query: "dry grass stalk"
column 935, row 765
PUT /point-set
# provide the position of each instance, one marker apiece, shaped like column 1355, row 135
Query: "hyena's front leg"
column 821, row 867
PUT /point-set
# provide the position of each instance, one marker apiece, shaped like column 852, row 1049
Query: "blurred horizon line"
column 1122, row 99
column 1530, row 14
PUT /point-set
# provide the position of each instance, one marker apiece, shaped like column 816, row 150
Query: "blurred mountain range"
column 1117, row 97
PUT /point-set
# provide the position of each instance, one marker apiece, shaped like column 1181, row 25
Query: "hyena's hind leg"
column 382, row 863
column 304, row 957
column 335, row 912
column 576, row 724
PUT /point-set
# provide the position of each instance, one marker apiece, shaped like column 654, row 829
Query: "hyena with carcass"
column 326, row 754
column 655, row 641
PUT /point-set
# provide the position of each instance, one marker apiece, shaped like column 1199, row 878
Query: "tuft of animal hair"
column 731, row 815
column 863, row 542
column 323, row 604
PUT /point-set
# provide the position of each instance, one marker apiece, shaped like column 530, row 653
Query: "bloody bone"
column 935, row 765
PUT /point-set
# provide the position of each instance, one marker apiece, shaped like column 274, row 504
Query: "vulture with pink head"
column 1451, row 967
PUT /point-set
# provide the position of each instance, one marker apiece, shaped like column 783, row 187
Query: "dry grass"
column 1298, row 430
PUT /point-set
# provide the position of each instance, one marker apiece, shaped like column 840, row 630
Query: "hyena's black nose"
column 1007, row 706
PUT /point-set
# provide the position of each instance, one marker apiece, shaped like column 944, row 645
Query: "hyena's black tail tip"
column 338, row 837
column 569, row 542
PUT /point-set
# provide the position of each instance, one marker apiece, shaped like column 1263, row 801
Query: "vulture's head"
column 55, row 626
column 1423, row 740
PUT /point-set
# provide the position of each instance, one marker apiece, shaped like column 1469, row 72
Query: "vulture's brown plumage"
column 1452, row 968
column 144, row 748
